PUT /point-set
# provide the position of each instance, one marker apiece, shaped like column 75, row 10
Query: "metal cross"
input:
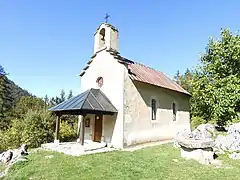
column 106, row 17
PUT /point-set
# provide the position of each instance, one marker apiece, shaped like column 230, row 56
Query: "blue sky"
column 45, row 44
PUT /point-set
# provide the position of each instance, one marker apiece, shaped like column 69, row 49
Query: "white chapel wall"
column 106, row 66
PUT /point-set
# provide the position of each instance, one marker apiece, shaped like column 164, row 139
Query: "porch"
column 94, row 110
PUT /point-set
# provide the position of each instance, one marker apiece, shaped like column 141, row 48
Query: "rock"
column 234, row 129
column 184, row 134
column 234, row 155
column 23, row 149
column 230, row 142
column 5, row 157
column 218, row 151
column 13, row 155
column 203, row 131
column 195, row 143
column 204, row 156
column 217, row 163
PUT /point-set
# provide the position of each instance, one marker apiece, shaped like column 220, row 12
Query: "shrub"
column 37, row 128
column 11, row 138
column 196, row 121
column 68, row 131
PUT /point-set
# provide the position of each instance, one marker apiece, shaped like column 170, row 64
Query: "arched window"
column 154, row 109
column 174, row 109
column 101, row 37
column 99, row 81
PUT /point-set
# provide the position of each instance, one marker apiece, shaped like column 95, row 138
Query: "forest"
column 214, row 85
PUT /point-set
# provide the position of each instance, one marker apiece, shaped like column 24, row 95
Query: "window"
column 174, row 111
column 154, row 109
column 101, row 38
column 87, row 122
column 99, row 82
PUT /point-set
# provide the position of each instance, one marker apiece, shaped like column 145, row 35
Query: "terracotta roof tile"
column 142, row 73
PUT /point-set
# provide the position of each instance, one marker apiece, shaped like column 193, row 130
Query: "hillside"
column 10, row 94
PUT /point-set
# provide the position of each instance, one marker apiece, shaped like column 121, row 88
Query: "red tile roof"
column 142, row 73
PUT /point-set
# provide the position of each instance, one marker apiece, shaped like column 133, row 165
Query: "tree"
column 62, row 96
column 184, row 80
column 27, row 103
column 70, row 95
column 2, row 86
column 46, row 100
column 216, row 83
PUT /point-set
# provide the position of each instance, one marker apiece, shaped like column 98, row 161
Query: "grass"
column 157, row 162
column 2, row 167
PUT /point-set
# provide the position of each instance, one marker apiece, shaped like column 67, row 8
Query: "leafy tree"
column 38, row 128
column 185, row 79
column 27, row 103
column 216, row 82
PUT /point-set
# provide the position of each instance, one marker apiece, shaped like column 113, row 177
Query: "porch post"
column 82, row 130
column 57, row 129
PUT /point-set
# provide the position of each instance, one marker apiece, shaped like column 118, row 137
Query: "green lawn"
column 149, row 163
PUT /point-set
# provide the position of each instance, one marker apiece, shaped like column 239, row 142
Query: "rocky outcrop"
column 197, row 144
column 10, row 157
column 230, row 142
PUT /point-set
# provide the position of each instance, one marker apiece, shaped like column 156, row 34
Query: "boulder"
column 11, row 156
column 203, row 131
column 234, row 129
column 5, row 157
column 203, row 156
column 235, row 155
column 230, row 142
column 181, row 134
column 195, row 143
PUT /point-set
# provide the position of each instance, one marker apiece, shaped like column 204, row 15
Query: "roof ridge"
column 88, row 92
column 96, row 99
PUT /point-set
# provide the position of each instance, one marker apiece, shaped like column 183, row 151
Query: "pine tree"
column 70, row 95
column 62, row 96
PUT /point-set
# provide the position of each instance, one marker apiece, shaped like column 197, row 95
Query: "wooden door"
column 98, row 128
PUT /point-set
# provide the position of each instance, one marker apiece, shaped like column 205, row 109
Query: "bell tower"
column 106, row 36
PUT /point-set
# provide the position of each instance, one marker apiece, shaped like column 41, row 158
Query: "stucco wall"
column 106, row 66
column 138, row 125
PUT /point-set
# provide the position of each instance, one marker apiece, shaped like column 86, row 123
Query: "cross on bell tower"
column 106, row 17
column 106, row 36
